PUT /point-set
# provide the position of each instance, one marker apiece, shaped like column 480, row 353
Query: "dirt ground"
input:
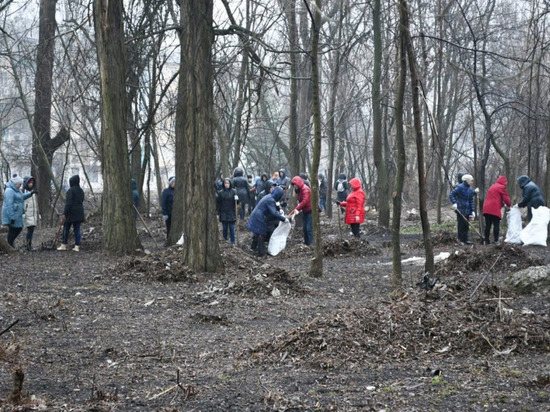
column 144, row 333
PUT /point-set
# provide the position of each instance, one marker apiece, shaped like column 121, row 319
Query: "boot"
column 29, row 245
column 261, row 246
column 254, row 244
column 62, row 247
column 76, row 248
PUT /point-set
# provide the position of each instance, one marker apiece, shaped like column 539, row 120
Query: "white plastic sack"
column 514, row 226
column 536, row 231
column 277, row 242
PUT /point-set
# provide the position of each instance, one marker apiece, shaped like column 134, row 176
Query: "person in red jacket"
column 303, row 193
column 497, row 198
column 355, row 206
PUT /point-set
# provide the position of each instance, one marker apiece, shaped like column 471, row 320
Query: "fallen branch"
column 9, row 327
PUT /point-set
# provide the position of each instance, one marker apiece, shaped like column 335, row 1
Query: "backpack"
column 341, row 188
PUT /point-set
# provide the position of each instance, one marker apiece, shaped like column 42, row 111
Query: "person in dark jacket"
column 135, row 197
column 166, row 204
column 218, row 184
column 30, row 214
column 305, row 178
column 73, row 214
column 257, row 222
column 497, row 198
column 532, row 195
column 342, row 187
column 323, row 188
column 462, row 198
column 240, row 183
column 226, row 201
column 303, row 193
column 284, row 182
column 13, row 207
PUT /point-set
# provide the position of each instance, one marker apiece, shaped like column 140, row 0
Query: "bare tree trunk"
column 316, row 268
column 415, row 84
column 119, row 226
column 201, row 247
column 43, row 146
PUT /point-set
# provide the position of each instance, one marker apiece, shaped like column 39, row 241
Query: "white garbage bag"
column 514, row 226
column 536, row 232
column 277, row 242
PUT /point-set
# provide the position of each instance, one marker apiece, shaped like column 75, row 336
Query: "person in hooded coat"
column 342, row 187
column 532, row 195
column 167, row 204
column 73, row 214
column 284, row 182
column 240, row 183
column 323, row 188
column 355, row 207
column 226, row 205
column 13, row 207
column 497, row 198
column 30, row 214
column 303, row 193
column 462, row 198
column 257, row 222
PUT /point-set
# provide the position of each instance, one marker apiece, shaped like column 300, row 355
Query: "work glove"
column 473, row 215
column 516, row 205
column 165, row 217
column 455, row 206
column 236, row 197
column 296, row 212
column 476, row 190
column 286, row 220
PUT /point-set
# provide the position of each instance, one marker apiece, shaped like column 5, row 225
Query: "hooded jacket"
column 355, row 203
column 497, row 198
column 30, row 213
column 532, row 195
column 225, row 202
column 322, row 186
column 13, row 206
column 341, row 195
column 284, row 182
column 303, row 195
column 74, row 201
column 265, row 207
column 240, row 183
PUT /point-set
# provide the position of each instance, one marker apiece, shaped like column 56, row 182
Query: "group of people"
column 20, row 209
column 271, row 199
column 462, row 199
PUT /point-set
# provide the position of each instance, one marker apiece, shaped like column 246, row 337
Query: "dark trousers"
column 495, row 222
column 307, row 225
column 30, row 232
column 13, row 232
column 229, row 227
column 168, row 223
column 355, row 229
column 462, row 227
column 67, row 231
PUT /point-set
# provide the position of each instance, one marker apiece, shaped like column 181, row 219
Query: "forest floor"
column 97, row 333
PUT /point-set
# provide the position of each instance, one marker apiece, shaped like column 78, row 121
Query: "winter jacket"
column 74, row 201
column 532, row 195
column 265, row 207
column 284, row 182
column 13, row 206
column 30, row 212
column 266, row 188
column 463, row 196
column 322, row 186
column 167, row 201
column 303, row 195
column 497, row 197
column 355, row 203
column 225, row 202
column 342, row 188
column 240, row 183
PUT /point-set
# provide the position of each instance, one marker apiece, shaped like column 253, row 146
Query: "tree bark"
column 200, row 226
column 119, row 226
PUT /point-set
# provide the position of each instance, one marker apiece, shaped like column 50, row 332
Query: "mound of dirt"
column 503, row 258
column 355, row 247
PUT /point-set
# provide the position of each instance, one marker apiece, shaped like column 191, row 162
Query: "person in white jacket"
column 30, row 211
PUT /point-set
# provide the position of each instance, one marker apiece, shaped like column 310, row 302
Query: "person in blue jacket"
column 462, row 198
column 13, row 207
column 257, row 221
column 532, row 195
column 166, row 204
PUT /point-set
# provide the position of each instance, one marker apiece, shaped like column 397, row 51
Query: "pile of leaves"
column 355, row 247
column 504, row 258
column 446, row 324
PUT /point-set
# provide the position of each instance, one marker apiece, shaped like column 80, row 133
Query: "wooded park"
column 401, row 95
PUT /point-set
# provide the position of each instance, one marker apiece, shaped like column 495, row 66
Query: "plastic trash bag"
column 536, row 232
column 514, row 226
column 277, row 242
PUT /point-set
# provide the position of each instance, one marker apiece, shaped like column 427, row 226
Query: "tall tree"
column 119, row 226
column 200, row 226
column 43, row 145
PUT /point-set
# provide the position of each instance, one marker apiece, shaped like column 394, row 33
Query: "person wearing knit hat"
column 13, row 207
column 166, row 203
column 462, row 198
